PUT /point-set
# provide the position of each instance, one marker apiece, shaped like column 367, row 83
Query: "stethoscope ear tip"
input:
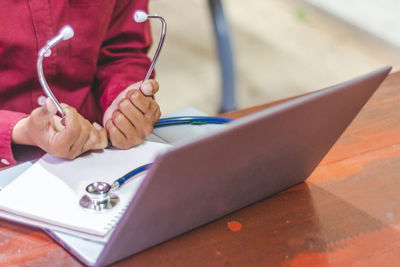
column 140, row 16
column 67, row 32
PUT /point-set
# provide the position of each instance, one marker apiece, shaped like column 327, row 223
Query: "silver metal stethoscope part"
column 65, row 33
column 99, row 197
column 141, row 16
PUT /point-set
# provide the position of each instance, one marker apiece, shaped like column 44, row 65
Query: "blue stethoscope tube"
column 120, row 181
column 193, row 120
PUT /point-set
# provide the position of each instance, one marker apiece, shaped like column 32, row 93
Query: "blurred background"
column 282, row 48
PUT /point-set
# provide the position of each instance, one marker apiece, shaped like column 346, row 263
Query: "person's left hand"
column 132, row 114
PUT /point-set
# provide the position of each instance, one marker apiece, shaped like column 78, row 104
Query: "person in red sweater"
column 96, row 74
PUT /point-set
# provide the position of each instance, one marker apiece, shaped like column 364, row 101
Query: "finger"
column 156, row 114
column 149, row 87
column 97, row 139
column 77, row 147
column 131, row 112
column 57, row 123
column 102, row 133
column 44, row 114
column 67, row 137
column 142, row 102
column 131, row 132
column 116, row 137
column 114, row 105
column 63, row 106
column 136, row 86
column 50, row 107
column 146, row 105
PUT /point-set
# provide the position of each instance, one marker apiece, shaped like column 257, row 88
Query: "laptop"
column 250, row 159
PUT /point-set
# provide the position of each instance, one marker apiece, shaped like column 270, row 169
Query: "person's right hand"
column 43, row 128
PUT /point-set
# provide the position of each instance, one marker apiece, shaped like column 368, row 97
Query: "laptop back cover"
column 259, row 155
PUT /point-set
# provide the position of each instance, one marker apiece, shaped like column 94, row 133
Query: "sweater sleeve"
column 123, row 56
column 8, row 119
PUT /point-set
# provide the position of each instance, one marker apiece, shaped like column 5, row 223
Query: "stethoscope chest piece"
column 98, row 197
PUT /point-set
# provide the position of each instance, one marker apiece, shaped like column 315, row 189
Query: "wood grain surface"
column 346, row 214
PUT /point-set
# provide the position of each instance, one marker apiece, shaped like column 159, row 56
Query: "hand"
column 44, row 129
column 132, row 114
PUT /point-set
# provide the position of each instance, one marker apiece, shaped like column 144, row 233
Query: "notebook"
column 48, row 193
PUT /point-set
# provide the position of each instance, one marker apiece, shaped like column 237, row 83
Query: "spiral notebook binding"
column 113, row 222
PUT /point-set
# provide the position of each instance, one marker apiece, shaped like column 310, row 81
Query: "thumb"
column 149, row 87
column 44, row 113
column 49, row 108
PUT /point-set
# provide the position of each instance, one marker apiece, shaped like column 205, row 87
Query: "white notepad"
column 48, row 193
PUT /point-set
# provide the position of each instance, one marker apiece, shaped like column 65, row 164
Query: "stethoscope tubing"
column 120, row 181
column 44, row 84
column 159, row 47
column 194, row 120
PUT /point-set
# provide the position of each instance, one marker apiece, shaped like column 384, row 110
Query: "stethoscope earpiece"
column 140, row 16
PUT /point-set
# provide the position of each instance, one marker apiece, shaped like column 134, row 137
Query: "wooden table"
column 347, row 213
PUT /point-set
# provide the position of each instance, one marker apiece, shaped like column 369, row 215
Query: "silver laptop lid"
column 257, row 156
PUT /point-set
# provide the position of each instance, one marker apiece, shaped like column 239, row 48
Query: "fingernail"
column 97, row 126
column 147, row 88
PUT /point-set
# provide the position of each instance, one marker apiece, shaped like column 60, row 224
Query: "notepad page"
column 50, row 190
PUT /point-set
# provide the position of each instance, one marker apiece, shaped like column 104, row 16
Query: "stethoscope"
column 100, row 196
